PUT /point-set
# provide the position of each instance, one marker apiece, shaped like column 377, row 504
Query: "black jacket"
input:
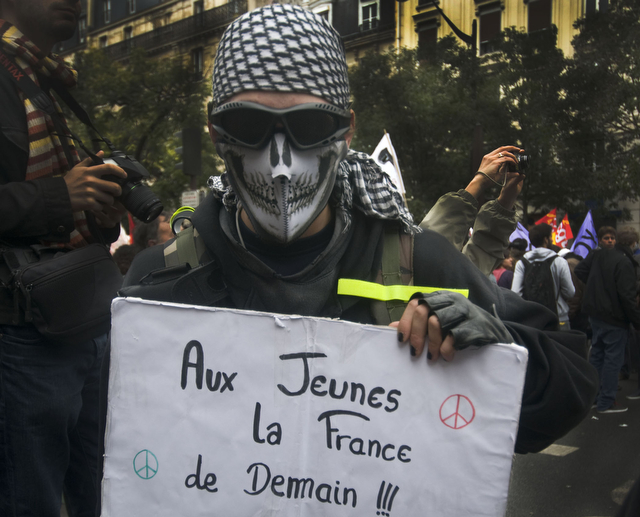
column 560, row 384
column 35, row 210
column 30, row 210
column 610, row 291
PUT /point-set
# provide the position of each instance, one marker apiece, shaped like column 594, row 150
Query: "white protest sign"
column 235, row 413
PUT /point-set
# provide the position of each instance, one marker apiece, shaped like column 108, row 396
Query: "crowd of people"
column 598, row 295
column 296, row 210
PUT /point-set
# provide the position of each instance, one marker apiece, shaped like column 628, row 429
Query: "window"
column 427, row 34
column 325, row 12
column 539, row 15
column 593, row 6
column 368, row 15
column 103, row 41
column 197, row 61
column 490, row 25
column 131, row 4
column 82, row 30
column 128, row 33
column 198, row 12
column 106, row 6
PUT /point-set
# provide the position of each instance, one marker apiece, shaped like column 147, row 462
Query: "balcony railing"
column 196, row 25
column 377, row 29
column 368, row 25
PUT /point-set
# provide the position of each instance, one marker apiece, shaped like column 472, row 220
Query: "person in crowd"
column 577, row 319
column 297, row 210
column 124, row 257
column 156, row 232
column 610, row 302
column 505, row 265
column 493, row 221
column 514, row 252
column 544, row 277
column 606, row 237
column 48, row 392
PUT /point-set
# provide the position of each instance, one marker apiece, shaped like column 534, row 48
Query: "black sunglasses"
column 307, row 125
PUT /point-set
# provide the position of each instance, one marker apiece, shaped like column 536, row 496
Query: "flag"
column 132, row 226
column 521, row 233
column 586, row 239
column 563, row 233
column 550, row 219
column 123, row 239
column 385, row 156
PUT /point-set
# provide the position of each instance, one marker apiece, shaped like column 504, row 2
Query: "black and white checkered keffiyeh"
column 282, row 48
column 360, row 183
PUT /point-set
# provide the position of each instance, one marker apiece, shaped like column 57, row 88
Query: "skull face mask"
column 282, row 189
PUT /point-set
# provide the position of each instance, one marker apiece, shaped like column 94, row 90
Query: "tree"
column 603, row 81
column 530, row 69
column 429, row 107
column 140, row 106
column 578, row 119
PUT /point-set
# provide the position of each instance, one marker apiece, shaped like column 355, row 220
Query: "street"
column 586, row 473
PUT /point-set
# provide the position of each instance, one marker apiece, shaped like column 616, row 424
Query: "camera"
column 523, row 163
column 136, row 197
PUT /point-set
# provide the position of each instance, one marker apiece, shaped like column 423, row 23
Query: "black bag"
column 538, row 285
column 66, row 295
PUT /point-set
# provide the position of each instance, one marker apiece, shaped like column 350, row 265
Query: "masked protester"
column 297, row 210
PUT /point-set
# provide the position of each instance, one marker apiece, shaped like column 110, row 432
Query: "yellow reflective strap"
column 350, row 287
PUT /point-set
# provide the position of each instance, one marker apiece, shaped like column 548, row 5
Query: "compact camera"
column 136, row 197
column 523, row 163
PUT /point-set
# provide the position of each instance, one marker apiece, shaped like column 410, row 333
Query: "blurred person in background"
column 544, row 277
column 610, row 302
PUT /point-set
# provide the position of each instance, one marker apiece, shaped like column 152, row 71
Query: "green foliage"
column 139, row 106
column 530, row 69
column 577, row 118
column 603, row 82
column 429, row 109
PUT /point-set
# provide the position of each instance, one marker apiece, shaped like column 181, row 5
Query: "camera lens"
column 141, row 201
column 523, row 161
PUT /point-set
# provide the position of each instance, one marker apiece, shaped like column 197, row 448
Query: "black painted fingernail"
column 429, row 356
column 413, row 351
column 400, row 337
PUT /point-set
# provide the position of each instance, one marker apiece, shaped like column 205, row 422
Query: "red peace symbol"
column 457, row 412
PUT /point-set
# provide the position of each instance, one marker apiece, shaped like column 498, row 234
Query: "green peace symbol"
column 145, row 464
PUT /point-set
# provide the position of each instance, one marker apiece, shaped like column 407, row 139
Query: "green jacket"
column 456, row 212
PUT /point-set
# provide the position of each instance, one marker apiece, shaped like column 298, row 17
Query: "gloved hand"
column 447, row 322
column 467, row 323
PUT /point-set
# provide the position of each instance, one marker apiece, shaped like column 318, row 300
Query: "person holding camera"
column 49, row 199
column 493, row 221
column 297, row 211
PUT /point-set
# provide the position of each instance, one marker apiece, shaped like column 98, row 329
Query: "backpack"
column 539, row 285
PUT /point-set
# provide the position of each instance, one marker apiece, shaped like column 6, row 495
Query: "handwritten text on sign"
column 222, row 412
